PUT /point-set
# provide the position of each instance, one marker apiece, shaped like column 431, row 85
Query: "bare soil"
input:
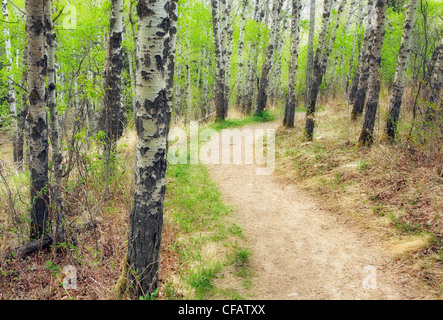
column 301, row 250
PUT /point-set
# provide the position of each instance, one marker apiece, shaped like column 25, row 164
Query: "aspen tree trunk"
column 251, row 71
column 241, row 43
column 220, row 71
column 171, row 48
column 11, row 90
column 188, row 90
column 113, row 77
column 336, row 73
column 227, row 57
column 275, row 73
column 320, row 63
column 354, row 45
column 54, row 130
column 436, row 85
column 327, row 52
column 37, row 118
column 264, row 82
column 289, row 116
column 366, row 136
column 400, row 73
column 24, row 109
column 205, row 89
column 146, row 219
column 132, row 55
column 310, row 59
column 360, row 83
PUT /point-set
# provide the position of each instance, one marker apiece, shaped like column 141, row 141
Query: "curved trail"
column 300, row 251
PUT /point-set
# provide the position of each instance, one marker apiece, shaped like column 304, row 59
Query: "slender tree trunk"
column 220, row 71
column 227, row 57
column 37, row 118
column 320, row 63
column 112, row 79
column 361, row 79
column 340, row 56
column 310, row 59
column 400, row 73
column 146, row 219
column 264, row 82
column 436, row 85
column 366, row 136
column 275, row 73
column 205, row 89
column 354, row 45
column 23, row 111
column 289, row 116
column 54, row 132
column 173, row 17
column 241, row 43
column 251, row 74
column 10, row 84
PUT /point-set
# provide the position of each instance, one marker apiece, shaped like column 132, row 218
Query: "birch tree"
column 436, row 84
column 10, row 83
column 251, row 71
column 289, row 116
column 227, row 55
column 146, row 219
column 354, row 45
column 241, row 43
column 37, row 118
column 264, row 82
column 359, row 87
column 310, row 58
column 275, row 73
column 220, row 71
column 112, row 79
column 54, row 131
column 320, row 62
column 400, row 73
column 366, row 137
column 171, row 48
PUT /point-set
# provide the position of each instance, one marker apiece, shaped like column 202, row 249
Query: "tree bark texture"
column 400, row 73
column 361, row 79
column 37, row 117
column 289, row 116
column 220, row 71
column 146, row 219
column 264, row 82
column 241, row 43
column 320, row 63
column 112, row 79
column 366, row 137
column 10, row 84
column 54, row 131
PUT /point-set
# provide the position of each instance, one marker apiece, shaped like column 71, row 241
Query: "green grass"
column 194, row 206
column 264, row 116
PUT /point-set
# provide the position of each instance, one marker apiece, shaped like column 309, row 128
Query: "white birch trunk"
column 241, row 43
column 10, row 84
column 289, row 116
column 37, row 118
column 400, row 72
column 366, row 136
column 146, row 219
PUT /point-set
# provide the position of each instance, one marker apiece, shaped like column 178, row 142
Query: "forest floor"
column 302, row 250
column 332, row 222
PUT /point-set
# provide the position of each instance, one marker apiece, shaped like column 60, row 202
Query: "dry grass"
column 97, row 254
column 392, row 190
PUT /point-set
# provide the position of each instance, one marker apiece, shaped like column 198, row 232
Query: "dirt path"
column 300, row 251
